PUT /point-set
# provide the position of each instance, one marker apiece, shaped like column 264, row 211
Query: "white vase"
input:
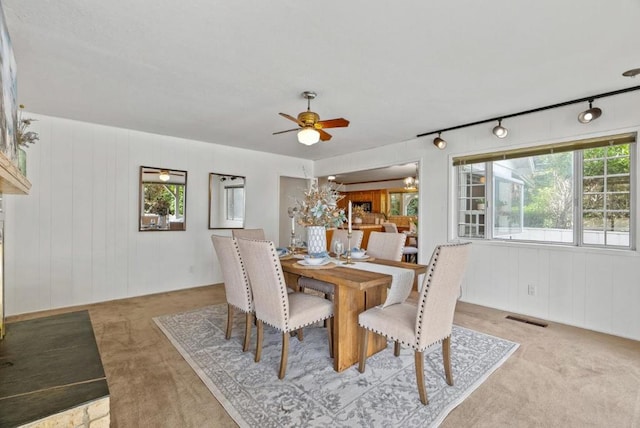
column 316, row 239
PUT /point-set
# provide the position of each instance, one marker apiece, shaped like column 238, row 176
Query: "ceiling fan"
column 310, row 127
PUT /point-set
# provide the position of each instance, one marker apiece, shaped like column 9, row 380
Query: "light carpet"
column 312, row 394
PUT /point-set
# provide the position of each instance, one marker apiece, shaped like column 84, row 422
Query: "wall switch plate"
column 531, row 290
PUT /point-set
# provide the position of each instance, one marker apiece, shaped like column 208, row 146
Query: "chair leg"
column 330, row 335
column 247, row 331
column 300, row 335
column 420, row 378
column 446, row 359
column 285, row 353
column 396, row 349
column 229, row 321
column 364, row 343
column 259, row 342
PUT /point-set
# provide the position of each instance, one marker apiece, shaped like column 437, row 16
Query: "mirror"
column 226, row 201
column 163, row 199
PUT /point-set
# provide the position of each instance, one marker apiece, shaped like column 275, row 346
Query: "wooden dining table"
column 355, row 291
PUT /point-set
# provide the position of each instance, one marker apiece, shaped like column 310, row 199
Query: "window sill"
column 552, row 247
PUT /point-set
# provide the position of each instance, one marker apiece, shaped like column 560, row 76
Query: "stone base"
column 94, row 414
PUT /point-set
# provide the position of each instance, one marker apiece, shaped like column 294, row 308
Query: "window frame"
column 487, row 159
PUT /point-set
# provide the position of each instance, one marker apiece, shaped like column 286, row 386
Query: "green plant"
column 23, row 136
column 161, row 207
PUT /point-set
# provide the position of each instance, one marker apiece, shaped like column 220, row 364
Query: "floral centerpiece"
column 318, row 211
column 358, row 213
column 320, row 207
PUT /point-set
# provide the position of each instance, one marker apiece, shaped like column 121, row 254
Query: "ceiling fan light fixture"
column 164, row 175
column 439, row 142
column 589, row 115
column 499, row 130
column 308, row 136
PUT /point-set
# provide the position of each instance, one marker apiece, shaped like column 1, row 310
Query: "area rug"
column 312, row 394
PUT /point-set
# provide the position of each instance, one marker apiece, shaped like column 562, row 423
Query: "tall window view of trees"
column 548, row 191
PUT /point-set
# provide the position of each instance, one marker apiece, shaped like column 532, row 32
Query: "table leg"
column 348, row 303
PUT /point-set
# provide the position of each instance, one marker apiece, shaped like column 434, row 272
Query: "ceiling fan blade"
column 324, row 136
column 288, row 130
column 291, row 118
column 333, row 123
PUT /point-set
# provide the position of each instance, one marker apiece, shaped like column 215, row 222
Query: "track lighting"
column 439, row 142
column 591, row 114
column 499, row 130
column 308, row 136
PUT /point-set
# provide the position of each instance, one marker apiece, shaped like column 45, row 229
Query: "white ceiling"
column 220, row 71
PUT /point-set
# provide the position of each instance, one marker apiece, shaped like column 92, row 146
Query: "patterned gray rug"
column 312, row 393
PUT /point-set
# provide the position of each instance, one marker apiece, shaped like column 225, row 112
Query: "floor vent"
column 526, row 321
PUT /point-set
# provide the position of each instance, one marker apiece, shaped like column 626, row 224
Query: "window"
column 234, row 196
column 403, row 203
column 577, row 193
column 606, row 196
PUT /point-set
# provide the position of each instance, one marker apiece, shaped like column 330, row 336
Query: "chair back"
column 236, row 281
column 342, row 235
column 390, row 227
column 386, row 246
column 440, row 292
column 248, row 233
column 267, row 282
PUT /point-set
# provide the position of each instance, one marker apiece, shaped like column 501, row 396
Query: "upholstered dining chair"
column 387, row 246
column 273, row 305
column 429, row 321
column 248, row 233
column 343, row 236
column 409, row 252
column 390, row 227
column 236, row 284
column 327, row 288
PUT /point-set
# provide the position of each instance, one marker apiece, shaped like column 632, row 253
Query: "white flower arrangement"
column 320, row 207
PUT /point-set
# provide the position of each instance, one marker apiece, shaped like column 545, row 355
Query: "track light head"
column 439, row 142
column 590, row 114
column 499, row 130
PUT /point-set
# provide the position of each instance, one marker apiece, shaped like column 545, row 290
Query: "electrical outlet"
column 531, row 290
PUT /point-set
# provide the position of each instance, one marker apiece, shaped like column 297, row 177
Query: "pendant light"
column 499, row 130
column 592, row 113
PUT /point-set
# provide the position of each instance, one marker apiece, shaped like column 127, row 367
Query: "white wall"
column 590, row 288
column 75, row 239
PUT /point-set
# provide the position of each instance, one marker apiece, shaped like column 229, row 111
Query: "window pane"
column 593, row 167
column 533, row 198
column 618, row 184
column 593, row 201
column 607, row 209
column 593, row 184
column 471, row 202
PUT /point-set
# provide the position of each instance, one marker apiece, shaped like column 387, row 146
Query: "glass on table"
column 338, row 248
